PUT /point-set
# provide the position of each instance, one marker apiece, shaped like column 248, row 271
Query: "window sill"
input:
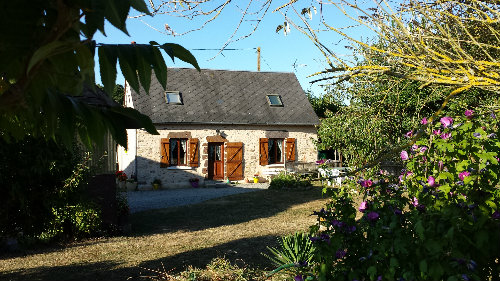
column 180, row 168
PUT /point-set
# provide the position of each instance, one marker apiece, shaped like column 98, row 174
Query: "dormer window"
column 274, row 100
column 173, row 97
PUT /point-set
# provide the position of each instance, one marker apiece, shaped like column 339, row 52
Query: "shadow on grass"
column 229, row 210
column 88, row 271
column 242, row 252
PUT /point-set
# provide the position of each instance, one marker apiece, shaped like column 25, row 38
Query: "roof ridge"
column 232, row 70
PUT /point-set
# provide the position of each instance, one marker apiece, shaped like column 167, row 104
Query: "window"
column 275, row 147
column 178, row 152
column 271, row 151
column 173, row 97
column 274, row 100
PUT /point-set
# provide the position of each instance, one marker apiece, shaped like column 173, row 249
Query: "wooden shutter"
column 165, row 153
column 263, row 151
column 290, row 149
column 234, row 163
column 194, row 153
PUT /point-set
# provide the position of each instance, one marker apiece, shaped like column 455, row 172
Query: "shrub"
column 440, row 220
column 296, row 251
column 44, row 192
column 283, row 180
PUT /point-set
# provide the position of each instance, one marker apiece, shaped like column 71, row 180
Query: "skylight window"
column 173, row 97
column 274, row 100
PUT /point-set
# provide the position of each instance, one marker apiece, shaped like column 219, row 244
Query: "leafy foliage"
column 295, row 251
column 44, row 194
column 324, row 105
column 47, row 59
column 438, row 221
column 283, row 180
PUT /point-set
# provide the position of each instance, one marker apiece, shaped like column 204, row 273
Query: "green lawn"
column 238, row 227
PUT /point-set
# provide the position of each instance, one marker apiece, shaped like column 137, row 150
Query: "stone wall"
column 148, row 149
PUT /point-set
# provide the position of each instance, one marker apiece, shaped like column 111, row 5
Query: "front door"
column 216, row 161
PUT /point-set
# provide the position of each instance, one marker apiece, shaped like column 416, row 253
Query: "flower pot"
column 255, row 180
column 194, row 184
column 122, row 185
column 131, row 186
column 156, row 186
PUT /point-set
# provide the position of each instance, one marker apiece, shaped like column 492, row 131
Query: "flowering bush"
column 439, row 220
column 121, row 176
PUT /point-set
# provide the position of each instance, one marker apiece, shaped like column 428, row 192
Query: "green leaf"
column 140, row 6
column 159, row 67
column 481, row 238
column 176, row 50
column 85, row 61
column 108, row 55
column 144, row 62
column 371, row 271
column 394, row 262
column 419, row 228
column 94, row 18
column 128, row 65
column 423, row 266
column 116, row 13
column 48, row 50
column 436, row 271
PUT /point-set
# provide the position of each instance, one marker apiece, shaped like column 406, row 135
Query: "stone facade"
column 145, row 164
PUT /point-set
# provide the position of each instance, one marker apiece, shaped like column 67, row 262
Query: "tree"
column 47, row 58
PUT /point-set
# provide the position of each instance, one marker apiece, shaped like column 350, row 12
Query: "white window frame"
column 270, row 102
column 167, row 93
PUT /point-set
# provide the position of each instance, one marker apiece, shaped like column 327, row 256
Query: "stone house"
column 219, row 125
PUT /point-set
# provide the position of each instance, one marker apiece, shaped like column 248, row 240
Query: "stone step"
column 216, row 184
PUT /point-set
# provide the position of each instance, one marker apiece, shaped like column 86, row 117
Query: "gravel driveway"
column 158, row 199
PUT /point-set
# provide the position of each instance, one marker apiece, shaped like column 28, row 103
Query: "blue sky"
column 291, row 53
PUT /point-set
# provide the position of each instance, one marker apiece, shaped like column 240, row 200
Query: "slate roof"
column 227, row 97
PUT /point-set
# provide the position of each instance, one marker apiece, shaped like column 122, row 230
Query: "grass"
column 237, row 227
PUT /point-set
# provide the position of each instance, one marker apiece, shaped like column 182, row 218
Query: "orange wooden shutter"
column 290, row 149
column 234, row 163
column 194, row 153
column 263, row 151
column 165, row 153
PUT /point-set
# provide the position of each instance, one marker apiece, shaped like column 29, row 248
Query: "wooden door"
column 216, row 161
column 234, row 163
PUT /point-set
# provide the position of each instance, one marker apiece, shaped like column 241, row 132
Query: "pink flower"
column 446, row 121
column 362, row 208
column 440, row 165
column 404, row 155
column 463, row 175
column 423, row 148
column 437, row 132
column 424, row 121
column 445, row 136
column 414, row 202
column 469, row 113
column 431, row 181
column 366, row 183
column 409, row 134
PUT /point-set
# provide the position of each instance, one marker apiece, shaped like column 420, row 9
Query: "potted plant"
column 194, row 182
column 131, row 184
column 121, row 178
column 156, row 184
column 256, row 178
